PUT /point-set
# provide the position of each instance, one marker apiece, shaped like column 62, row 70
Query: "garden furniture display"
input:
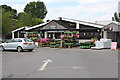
column 103, row 43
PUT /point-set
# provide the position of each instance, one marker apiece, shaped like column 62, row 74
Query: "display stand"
column 69, row 39
column 86, row 45
column 55, row 43
column 32, row 35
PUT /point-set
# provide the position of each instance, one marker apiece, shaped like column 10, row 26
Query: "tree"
column 28, row 20
column 116, row 17
column 9, row 23
column 36, row 9
column 36, row 21
column 9, row 9
column 25, row 18
column 11, row 20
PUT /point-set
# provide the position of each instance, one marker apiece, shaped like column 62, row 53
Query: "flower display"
column 44, row 40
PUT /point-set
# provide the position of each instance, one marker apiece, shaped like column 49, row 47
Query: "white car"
column 18, row 44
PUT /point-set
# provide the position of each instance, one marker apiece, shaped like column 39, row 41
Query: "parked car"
column 19, row 44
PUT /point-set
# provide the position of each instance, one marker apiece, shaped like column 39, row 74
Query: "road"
column 60, row 63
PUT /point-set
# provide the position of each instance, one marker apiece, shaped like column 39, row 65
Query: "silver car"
column 18, row 44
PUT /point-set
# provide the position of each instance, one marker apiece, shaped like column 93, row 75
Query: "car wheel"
column 30, row 50
column 19, row 49
column 2, row 48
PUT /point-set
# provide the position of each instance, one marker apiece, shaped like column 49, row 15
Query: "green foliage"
column 11, row 20
column 9, row 23
column 9, row 9
column 36, row 9
column 28, row 20
column 25, row 18
column 36, row 21
column 116, row 17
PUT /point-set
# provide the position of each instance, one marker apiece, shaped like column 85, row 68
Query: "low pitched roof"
column 83, row 22
column 37, row 26
column 65, row 19
column 118, row 23
column 19, row 29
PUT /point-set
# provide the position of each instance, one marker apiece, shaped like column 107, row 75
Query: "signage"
column 52, row 27
column 114, row 45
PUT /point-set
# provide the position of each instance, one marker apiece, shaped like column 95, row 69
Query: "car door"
column 15, row 43
column 8, row 44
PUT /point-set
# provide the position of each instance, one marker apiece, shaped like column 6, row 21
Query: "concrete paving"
column 66, row 63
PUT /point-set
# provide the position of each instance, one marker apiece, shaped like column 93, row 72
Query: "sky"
column 85, row 10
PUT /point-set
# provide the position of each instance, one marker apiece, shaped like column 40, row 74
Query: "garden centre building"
column 55, row 28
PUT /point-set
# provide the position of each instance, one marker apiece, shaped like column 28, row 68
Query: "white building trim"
column 13, row 35
column 19, row 29
column 36, row 26
column 83, row 22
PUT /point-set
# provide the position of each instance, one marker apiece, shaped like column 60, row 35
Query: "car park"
column 19, row 44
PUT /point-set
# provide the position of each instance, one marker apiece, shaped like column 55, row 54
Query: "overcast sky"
column 86, row 10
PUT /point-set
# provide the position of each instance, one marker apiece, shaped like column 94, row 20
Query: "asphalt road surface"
column 60, row 63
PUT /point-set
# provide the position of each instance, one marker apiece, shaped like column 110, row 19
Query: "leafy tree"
column 8, row 21
column 11, row 20
column 36, row 9
column 116, row 17
column 25, row 18
column 28, row 20
column 36, row 21
column 9, row 9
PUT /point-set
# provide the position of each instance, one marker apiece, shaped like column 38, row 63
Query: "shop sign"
column 114, row 45
column 52, row 27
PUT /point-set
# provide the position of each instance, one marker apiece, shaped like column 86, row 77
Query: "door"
column 57, row 35
column 10, row 45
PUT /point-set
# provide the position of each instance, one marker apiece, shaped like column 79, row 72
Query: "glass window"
column 17, row 40
column 10, row 41
column 28, row 40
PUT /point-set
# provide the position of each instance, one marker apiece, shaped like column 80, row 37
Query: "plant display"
column 32, row 35
column 55, row 43
column 94, row 39
column 69, row 39
column 44, row 40
column 86, row 45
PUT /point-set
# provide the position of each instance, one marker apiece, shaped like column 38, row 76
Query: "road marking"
column 69, row 67
column 45, row 64
column 77, row 67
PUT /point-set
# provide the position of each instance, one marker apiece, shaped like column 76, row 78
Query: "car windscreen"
column 28, row 40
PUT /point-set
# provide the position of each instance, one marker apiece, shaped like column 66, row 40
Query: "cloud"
column 55, row 1
column 94, row 12
column 88, row 1
column 83, row 10
column 19, row 7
